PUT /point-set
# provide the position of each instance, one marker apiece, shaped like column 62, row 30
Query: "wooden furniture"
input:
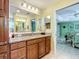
column 4, row 52
column 42, row 48
column 48, row 44
column 4, row 34
column 2, row 4
column 30, row 49
column 2, row 7
column 4, row 56
column 18, row 50
column 4, row 15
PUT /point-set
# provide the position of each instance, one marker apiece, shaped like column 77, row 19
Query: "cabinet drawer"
column 3, row 48
column 18, row 45
column 14, row 54
column 41, row 39
column 21, row 44
column 14, row 46
column 18, row 53
column 32, row 41
column 35, row 41
column 1, row 56
column 49, row 37
column 4, row 56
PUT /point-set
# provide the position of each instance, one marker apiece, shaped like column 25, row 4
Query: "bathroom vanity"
column 29, row 47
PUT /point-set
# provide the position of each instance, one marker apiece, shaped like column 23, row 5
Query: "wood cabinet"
column 2, row 29
column 2, row 2
column 32, row 51
column 18, row 45
column 38, row 48
column 4, row 15
column 4, row 52
column 4, row 8
column 48, row 44
column 42, row 48
column 22, row 53
column 4, row 56
column 18, row 50
column 14, row 54
column 3, row 48
column 19, row 53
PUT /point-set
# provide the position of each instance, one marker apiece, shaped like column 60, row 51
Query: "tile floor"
column 64, row 51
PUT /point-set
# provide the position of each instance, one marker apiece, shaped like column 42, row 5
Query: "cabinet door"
column 2, row 29
column 32, row 51
column 4, row 8
column 22, row 53
column 42, row 48
column 48, row 44
column 14, row 54
column 6, row 29
column 4, row 56
column 4, row 11
column 2, row 2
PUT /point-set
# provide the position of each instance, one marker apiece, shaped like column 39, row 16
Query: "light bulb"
column 23, row 5
column 33, row 8
column 29, row 7
column 36, row 9
column 18, row 11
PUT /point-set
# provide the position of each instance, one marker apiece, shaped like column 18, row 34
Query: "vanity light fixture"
column 23, row 5
column 36, row 9
column 29, row 6
column 33, row 8
column 17, row 11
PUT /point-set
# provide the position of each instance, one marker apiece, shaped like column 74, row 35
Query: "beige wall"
column 51, row 10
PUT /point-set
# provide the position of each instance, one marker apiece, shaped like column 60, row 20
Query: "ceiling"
column 41, row 4
column 68, row 14
column 37, row 3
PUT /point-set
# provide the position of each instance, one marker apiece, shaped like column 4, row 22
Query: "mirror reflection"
column 24, row 21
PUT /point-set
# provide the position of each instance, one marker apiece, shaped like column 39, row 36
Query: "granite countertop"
column 24, row 38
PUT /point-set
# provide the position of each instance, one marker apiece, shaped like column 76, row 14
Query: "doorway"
column 67, row 46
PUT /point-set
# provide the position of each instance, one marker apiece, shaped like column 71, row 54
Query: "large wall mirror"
column 20, row 24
